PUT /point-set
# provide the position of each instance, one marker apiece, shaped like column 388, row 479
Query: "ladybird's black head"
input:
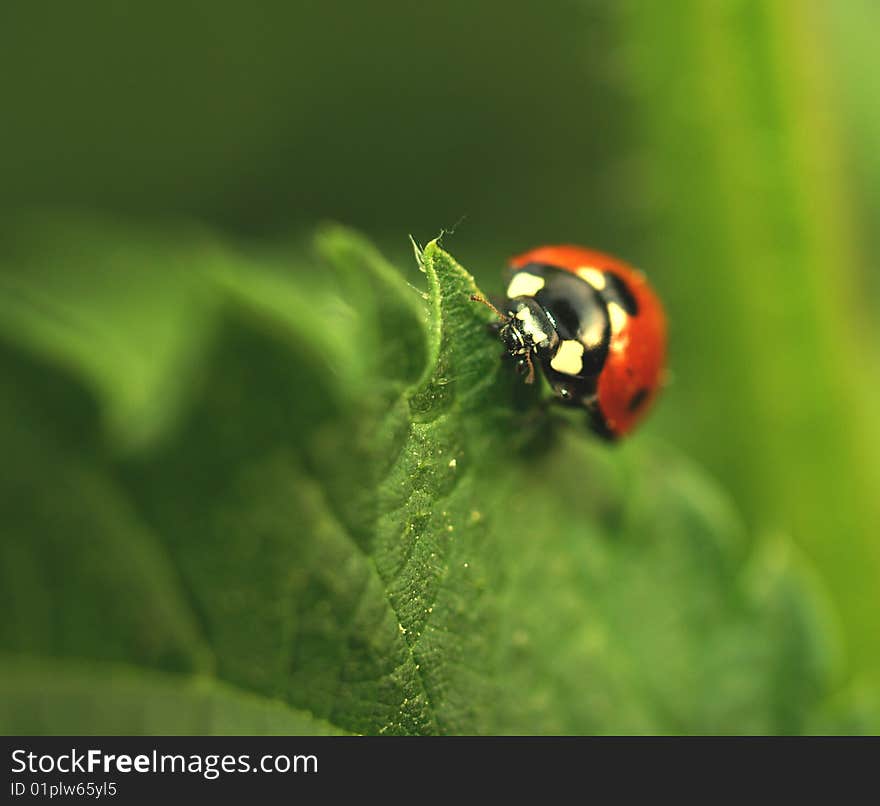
column 511, row 334
column 526, row 332
column 517, row 344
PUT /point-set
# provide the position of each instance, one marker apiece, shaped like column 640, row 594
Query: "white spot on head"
column 569, row 358
column 593, row 276
column 617, row 316
column 530, row 326
column 524, row 284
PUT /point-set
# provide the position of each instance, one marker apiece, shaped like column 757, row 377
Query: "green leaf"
column 125, row 311
column 72, row 699
column 631, row 607
column 350, row 513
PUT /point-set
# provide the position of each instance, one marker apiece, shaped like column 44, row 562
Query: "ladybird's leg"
column 553, row 412
column 599, row 426
column 596, row 420
column 538, row 412
column 530, row 365
column 538, row 429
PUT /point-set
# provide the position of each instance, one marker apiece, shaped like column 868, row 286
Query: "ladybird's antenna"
column 476, row 298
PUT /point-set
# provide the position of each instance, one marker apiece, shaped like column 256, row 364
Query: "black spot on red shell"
column 616, row 290
column 638, row 400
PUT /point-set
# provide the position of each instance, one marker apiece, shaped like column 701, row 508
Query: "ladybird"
column 594, row 327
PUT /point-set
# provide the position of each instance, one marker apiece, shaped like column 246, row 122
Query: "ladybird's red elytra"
column 595, row 328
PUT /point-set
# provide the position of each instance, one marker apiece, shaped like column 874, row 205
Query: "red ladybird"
column 595, row 328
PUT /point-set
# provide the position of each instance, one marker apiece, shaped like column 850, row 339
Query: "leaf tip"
column 419, row 253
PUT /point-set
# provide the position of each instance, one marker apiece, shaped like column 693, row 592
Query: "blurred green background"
column 729, row 147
